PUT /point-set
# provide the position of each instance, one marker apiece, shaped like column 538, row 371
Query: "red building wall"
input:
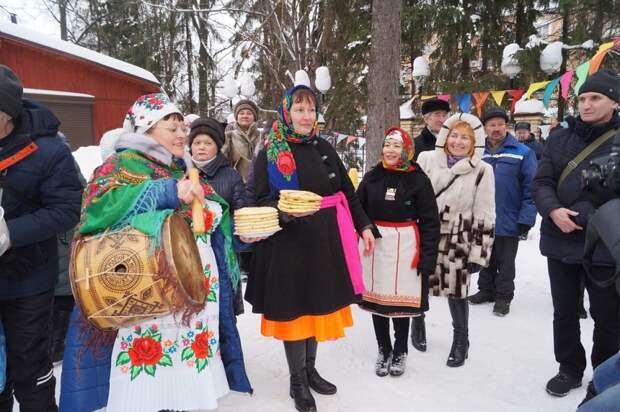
column 40, row 68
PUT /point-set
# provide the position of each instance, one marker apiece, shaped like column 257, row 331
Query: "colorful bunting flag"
column 480, row 98
column 351, row 139
column 444, row 97
column 535, row 86
column 516, row 94
column 596, row 61
column 428, row 97
column 464, row 101
column 549, row 91
column 340, row 137
column 582, row 73
column 565, row 80
column 498, row 96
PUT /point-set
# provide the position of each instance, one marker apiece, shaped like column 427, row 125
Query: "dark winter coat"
column 225, row 180
column 562, row 146
column 415, row 201
column 534, row 145
column 301, row 270
column 41, row 198
column 425, row 141
column 514, row 166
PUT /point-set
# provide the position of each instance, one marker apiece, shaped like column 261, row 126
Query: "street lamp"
column 323, row 82
column 301, row 78
column 551, row 57
column 510, row 64
column 230, row 89
column 247, row 88
column 420, row 71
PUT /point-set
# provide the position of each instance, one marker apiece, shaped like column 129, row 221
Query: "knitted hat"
column 148, row 110
column 493, row 113
column 208, row 126
column 604, row 82
column 246, row 104
column 435, row 104
column 523, row 125
column 10, row 92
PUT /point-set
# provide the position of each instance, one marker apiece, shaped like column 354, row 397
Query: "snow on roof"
column 529, row 106
column 405, row 110
column 20, row 32
column 57, row 93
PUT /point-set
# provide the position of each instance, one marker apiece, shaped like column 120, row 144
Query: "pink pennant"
column 565, row 82
column 444, row 97
column 351, row 139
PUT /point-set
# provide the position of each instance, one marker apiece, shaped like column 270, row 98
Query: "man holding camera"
column 565, row 207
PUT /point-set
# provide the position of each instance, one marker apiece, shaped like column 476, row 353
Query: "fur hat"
column 148, row 110
column 493, row 113
column 604, row 82
column 523, row 126
column 476, row 126
column 246, row 104
column 208, row 126
column 11, row 91
column 435, row 104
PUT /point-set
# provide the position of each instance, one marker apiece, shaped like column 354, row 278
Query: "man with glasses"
column 435, row 112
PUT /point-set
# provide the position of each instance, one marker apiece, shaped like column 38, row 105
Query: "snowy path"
column 510, row 360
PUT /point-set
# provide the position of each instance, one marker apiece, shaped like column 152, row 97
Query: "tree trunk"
column 62, row 8
column 565, row 40
column 190, row 63
column 383, row 75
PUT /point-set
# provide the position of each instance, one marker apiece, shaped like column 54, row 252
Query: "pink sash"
column 348, row 237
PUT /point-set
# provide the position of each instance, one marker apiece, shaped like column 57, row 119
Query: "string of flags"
column 465, row 101
column 349, row 139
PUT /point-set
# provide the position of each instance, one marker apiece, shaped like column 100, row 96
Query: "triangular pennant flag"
column 498, row 96
column 480, row 98
column 535, row 86
column 464, row 101
column 549, row 91
column 444, row 97
column 428, row 97
column 596, row 61
column 516, row 95
column 340, row 137
column 582, row 73
column 565, row 83
column 351, row 139
column 362, row 141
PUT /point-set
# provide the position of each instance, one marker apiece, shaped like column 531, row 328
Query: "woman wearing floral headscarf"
column 305, row 276
column 171, row 362
column 465, row 190
column 399, row 198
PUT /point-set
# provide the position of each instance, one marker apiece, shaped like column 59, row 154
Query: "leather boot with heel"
column 315, row 381
column 299, row 389
column 418, row 333
column 459, row 310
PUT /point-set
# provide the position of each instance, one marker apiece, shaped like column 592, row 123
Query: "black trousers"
column 604, row 304
column 499, row 278
column 30, row 376
column 382, row 333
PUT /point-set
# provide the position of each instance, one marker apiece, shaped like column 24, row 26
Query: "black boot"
column 315, row 381
column 418, row 333
column 460, row 343
column 300, row 392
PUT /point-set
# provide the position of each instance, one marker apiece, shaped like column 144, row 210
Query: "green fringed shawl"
column 124, row 191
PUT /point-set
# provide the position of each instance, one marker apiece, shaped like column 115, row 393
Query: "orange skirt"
column 321, row 327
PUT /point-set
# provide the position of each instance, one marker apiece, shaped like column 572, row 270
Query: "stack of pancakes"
column 256, row 221
column 299, row 201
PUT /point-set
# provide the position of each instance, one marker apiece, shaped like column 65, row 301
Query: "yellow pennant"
column 498, row 96
column 535, row 86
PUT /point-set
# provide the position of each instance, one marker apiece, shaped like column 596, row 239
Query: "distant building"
column 88, row 91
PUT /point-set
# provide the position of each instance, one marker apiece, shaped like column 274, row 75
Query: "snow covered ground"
column 510, row 359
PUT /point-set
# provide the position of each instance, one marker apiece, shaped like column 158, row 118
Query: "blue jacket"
column 514, row 165
column 41, row 198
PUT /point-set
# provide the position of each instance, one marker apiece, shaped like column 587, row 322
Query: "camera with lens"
column 604, row 171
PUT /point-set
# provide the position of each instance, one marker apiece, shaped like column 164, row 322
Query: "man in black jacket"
column 435, row 112
column 41, row 196
column 565, row 207
column 524, row 134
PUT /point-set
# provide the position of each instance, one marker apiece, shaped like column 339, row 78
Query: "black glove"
column 523, row 230
column 17, row 262
column 599, row 194
column 473, row 268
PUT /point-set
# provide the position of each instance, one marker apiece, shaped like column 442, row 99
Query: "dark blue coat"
column 514, row 165
column 534, row 145
column 562, row 146
column 225, row 180
column 41, row 198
